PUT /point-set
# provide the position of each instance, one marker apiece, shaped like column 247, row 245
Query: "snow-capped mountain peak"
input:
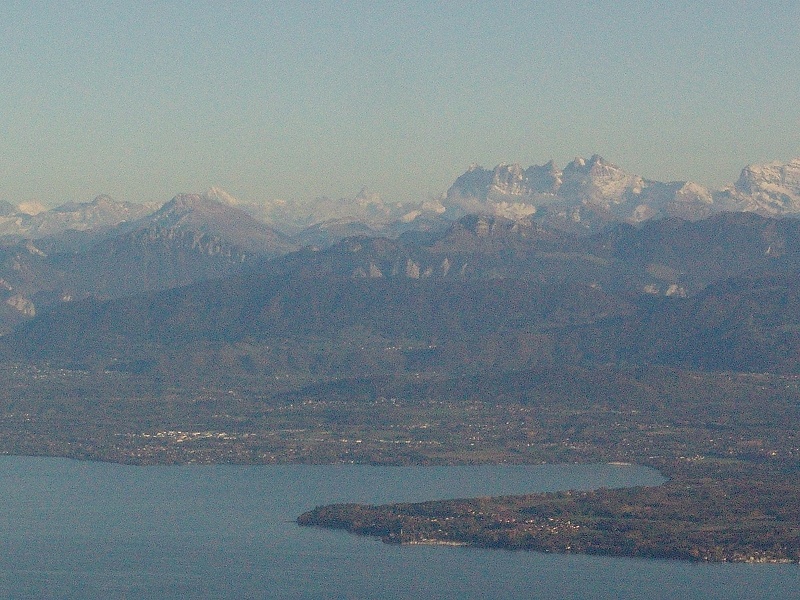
column 220, row 195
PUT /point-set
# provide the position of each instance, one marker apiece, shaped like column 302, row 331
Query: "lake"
column 92, row 530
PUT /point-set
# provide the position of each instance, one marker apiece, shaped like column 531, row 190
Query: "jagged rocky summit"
column 772, row 189
column 585, row 196
column 596, row 186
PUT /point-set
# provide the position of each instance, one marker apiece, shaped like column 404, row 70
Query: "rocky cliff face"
column 585, row 196
column 770, row 189
column 600, row 182
column 553, row 194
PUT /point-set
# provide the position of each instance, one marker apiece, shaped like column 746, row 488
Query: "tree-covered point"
column 693, row 517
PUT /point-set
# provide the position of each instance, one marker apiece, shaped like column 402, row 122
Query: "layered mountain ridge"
column 587, row 195
column 101, row 251
column 511, row 191
column 106, row 249
column 488, row 293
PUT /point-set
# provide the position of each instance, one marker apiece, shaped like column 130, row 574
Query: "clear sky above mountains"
column 300, row 99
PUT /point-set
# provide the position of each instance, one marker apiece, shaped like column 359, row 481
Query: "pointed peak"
column 184, row 203
column 102, row 200
column 220, row 195
column 186, row 199
column 365, row 196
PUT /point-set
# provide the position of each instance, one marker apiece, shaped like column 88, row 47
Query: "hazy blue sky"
column 143, row 100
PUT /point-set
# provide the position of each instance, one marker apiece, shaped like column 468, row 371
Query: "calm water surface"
column 89, row 530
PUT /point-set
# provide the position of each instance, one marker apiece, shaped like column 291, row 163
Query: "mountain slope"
column 489, row 292
column 191, row 238
column 204, row 215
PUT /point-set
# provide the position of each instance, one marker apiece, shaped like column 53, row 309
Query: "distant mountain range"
column 597, row 185
column 589, row 223
column 34, row 222
column 585, row 196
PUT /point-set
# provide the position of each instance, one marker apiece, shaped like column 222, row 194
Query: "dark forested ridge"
column 671, row 292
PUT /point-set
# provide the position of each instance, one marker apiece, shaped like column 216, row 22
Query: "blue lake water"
column 91, row 530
